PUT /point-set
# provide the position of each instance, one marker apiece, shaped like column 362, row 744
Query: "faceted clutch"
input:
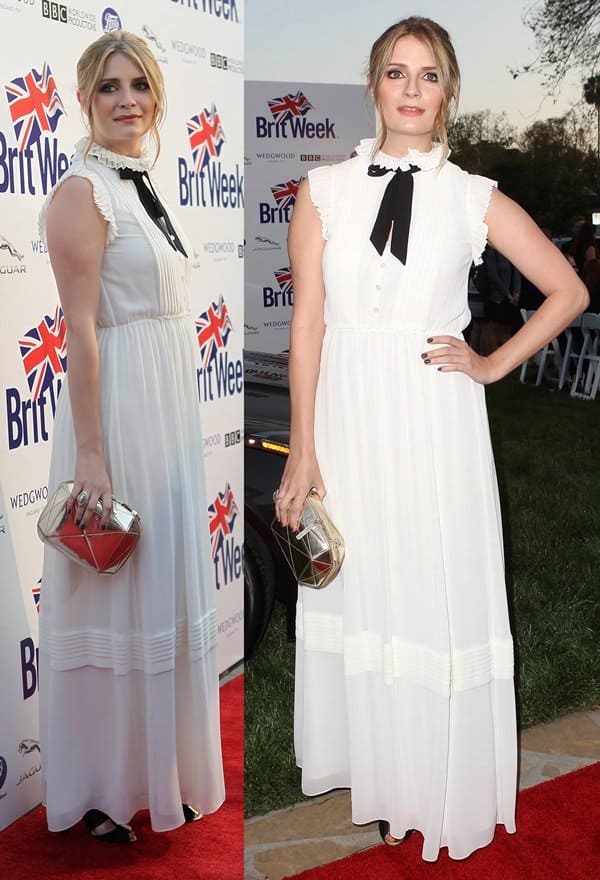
column 103, row 550
column 316, row 551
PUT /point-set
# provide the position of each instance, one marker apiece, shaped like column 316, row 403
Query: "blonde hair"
column 437, row 39
column 90, row 69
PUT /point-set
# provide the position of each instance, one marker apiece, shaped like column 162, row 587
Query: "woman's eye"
column 431, row 77
column 142, row 86
column 395, row 74
column 107, row 87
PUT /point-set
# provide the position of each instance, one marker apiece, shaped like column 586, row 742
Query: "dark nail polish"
column 427, row 361
column 423, row 356
column 430, row 339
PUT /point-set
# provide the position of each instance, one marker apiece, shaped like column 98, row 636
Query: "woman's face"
column 122, row 108
column 409, row 96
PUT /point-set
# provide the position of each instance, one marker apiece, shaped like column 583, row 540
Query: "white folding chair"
column 587, row 378
column 551, row 348
column 572, row 350
column 525, row 315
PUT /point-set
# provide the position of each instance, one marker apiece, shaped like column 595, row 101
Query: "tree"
column 591, row 93
column 560, row 172
column 484, row 125
column 567, row 32
column 478, row 140
column 548, row 169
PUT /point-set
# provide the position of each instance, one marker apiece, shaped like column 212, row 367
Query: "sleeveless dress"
column 404, row 664
column 129, row 697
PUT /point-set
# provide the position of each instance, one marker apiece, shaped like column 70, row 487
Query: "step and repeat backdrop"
column 289, row 129
column 199, row 44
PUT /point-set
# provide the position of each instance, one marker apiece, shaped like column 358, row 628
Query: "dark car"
column 266, row 439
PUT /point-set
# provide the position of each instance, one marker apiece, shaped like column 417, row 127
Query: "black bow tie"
column 394, row 211
column 153, row 205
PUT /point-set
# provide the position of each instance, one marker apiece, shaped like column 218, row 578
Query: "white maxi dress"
column 404, row 667
column 129, row 697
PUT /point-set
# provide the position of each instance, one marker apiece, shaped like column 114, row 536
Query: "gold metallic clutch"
column 316, row 551
column 103, row 550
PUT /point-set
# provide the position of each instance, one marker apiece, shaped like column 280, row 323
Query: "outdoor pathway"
column 312, row 833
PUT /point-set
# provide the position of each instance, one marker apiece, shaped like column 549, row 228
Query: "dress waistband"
column 175, row 317
column 450, row 330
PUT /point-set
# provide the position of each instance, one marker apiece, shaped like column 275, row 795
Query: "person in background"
column 129, row 696
column 574, row 224
column 591, row 279
column 404, row 663
column 530, row 297
column 501, row 304
column 584, row 247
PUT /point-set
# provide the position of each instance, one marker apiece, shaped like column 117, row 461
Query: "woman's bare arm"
column 76, row 235
column 514, row 234
column 305, row 246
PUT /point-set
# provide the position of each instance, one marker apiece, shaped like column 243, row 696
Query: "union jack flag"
column 206, row 137
column 285, row 193
column 34, row 105
column 289, row 106
column 284, row 279
column 35, row 592
column 212, row 329
column 44, row 352
column 221, row 517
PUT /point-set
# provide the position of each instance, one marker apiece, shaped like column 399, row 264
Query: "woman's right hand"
column 92, row 478
column 301, row 473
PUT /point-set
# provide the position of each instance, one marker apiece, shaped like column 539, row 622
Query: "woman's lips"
column 127, row 118
column 411, row 111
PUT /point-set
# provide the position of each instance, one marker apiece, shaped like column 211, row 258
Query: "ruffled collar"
column 425, row 161
column 114, row 160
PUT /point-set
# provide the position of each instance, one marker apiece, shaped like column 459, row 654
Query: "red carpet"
column 558, row 838
column 211, row 849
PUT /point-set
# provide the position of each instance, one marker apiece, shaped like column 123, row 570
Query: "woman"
column 591, row 279
column 404, row 663
column 501, row 304
column 584, row 247
column 129, row 693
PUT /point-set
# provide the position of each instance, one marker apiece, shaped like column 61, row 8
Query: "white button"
column 378, row 287
column 382, row 265
column 376, row 310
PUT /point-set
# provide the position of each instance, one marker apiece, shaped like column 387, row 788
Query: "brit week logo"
column 289, row 120
column 43, row 351
column 284, row 197
column 283, row 293
column 220, row 375
column 29, row 652
column 226, row 552
column 35, row 592
column 223, row 9
column 35, row 110
column 208, row 183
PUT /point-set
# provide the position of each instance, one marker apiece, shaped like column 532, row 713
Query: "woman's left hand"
column 454, row 355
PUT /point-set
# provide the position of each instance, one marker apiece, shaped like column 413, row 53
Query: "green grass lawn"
column 547, row 449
